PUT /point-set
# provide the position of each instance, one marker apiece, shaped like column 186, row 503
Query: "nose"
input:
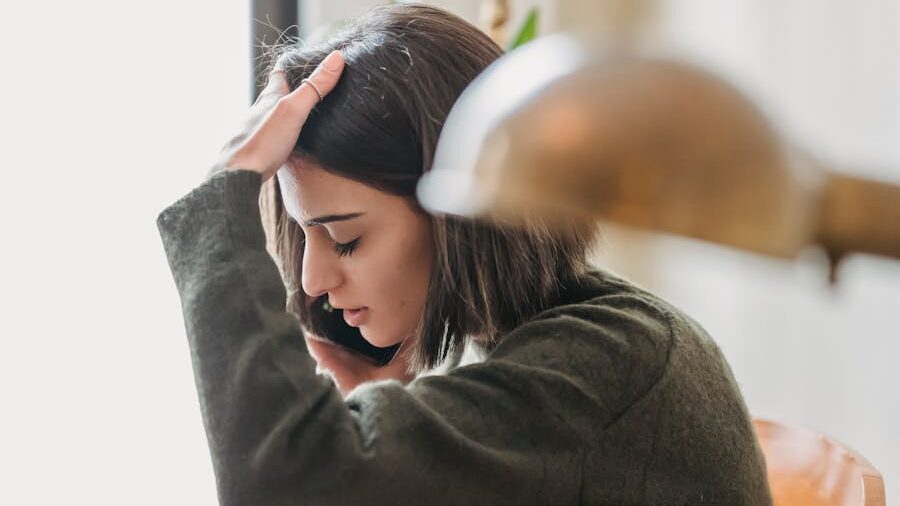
column 321, row 272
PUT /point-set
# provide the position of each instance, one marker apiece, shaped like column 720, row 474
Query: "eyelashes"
column 346, row 249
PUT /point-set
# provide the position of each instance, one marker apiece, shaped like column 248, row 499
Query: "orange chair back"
column 809, row 469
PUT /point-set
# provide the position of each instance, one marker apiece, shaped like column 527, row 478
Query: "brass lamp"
column 559, row 129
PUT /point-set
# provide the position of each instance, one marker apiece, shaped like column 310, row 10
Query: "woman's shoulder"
column 599, row 313
column 608, row 335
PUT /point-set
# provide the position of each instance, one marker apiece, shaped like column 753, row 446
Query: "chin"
column 375, row 339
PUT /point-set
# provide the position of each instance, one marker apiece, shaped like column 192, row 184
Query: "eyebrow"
column 328, row 218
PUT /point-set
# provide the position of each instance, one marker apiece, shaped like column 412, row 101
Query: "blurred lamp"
column 560, row 130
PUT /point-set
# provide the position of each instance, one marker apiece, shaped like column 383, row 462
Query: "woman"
column 593, row 391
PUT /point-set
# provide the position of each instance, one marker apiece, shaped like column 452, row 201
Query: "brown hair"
column 406, row 65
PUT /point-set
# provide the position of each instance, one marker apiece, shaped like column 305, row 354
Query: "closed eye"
column 346, row 249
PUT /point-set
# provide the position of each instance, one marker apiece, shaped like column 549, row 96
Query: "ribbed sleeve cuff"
column 214, row 217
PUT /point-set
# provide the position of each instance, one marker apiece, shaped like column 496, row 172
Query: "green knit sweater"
column 610, row 397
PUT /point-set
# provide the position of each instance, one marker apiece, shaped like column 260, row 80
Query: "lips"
column 355, row 317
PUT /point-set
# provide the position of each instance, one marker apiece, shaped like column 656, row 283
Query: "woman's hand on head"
column 276, row 118
column 350, row 369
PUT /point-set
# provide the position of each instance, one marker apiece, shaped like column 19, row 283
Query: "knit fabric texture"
column 610, row 397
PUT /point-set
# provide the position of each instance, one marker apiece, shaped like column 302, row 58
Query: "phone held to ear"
column 330, row 323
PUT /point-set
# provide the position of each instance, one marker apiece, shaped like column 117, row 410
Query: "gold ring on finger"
column 314, row 87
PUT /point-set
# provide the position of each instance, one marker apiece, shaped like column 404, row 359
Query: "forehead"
column 309, row 191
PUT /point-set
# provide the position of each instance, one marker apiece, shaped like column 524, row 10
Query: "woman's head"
column 348, row 229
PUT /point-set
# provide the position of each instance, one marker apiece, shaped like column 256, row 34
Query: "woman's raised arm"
column 492, row 433
column 280, row 434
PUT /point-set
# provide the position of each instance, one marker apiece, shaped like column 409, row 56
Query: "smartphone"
column 330, row 324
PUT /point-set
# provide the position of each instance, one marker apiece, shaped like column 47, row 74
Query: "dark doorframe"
column 269, row 20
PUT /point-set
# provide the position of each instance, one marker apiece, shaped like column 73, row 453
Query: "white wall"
column 110, row 112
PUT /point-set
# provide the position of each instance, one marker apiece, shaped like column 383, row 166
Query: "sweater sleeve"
column 510, row 430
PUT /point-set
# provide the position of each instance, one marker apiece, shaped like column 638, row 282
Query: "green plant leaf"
column 528, row 32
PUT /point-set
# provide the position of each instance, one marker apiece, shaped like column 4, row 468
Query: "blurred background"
column 113, row 110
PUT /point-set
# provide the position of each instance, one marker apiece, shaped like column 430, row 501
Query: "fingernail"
column 332, row 61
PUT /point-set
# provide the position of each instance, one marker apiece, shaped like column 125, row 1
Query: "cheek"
column 395, row 280
column 412, row 267
column 397, row 263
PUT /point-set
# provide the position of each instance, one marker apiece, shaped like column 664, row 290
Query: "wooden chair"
column 810, row 469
